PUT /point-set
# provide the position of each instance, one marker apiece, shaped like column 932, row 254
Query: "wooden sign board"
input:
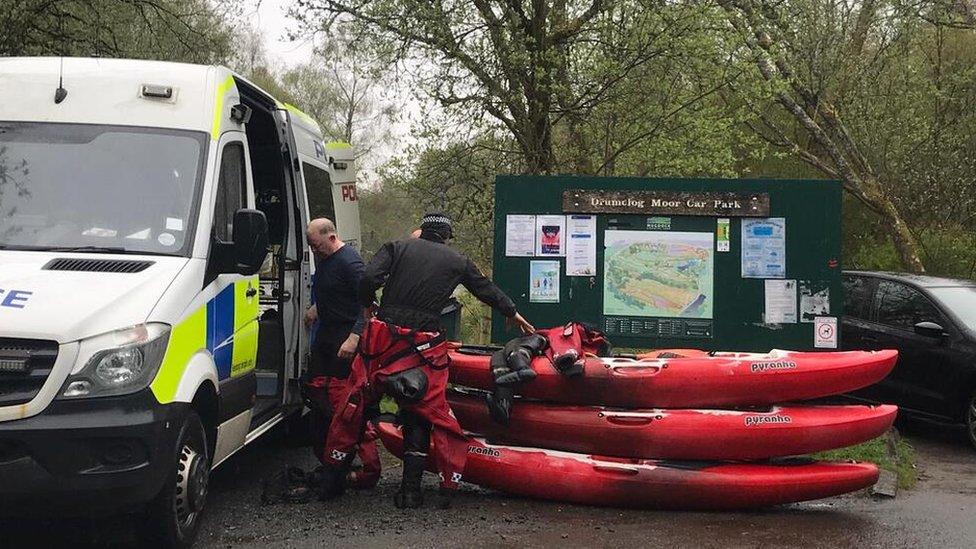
column 726, row 204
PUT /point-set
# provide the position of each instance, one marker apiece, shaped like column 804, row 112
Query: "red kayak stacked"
column 672, row 429
column 684, row 434
column 644, row 483
column 719, row 380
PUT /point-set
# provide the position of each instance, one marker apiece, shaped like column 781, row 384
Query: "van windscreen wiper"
column 90, row 249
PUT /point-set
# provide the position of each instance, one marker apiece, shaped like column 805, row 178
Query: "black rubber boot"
column 520, row 369
column 410, row 495
column 445, row 497
column 416, row 444
column 331, row 482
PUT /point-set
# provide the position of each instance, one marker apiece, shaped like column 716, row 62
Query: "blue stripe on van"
column 222, row 322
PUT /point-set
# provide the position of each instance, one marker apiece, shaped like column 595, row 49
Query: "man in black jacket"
column 418, row 276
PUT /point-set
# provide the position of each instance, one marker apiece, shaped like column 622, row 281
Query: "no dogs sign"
column 825, row 332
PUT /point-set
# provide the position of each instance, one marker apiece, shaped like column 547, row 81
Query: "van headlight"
column 118, row 363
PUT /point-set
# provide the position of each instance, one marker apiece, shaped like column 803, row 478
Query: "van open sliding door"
column 297, row 272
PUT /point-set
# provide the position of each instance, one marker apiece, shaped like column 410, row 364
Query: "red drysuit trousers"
column 385, row 350
column 328, row 394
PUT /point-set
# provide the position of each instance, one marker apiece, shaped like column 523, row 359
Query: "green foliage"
column 876, row 451
column 475, row 320
column 458, row 179
column 387, row 215
column 388, row 405
column 177, row 30
column 269, row 82
column 948, row 249
column 669, row 115
column 348, row 93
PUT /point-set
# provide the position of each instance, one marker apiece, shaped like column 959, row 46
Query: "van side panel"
column 220, row 113
column 245, row 351
column 341, row 164
column 186, row 339
column 225, row 328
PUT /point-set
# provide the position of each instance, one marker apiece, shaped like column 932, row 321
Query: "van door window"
column 318, row 189
column 230, row 190
column 901, row 306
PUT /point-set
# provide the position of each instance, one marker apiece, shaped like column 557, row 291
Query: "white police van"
column 146, row 331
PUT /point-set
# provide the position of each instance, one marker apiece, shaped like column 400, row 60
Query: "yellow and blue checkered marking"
column 220, row 331
column 226, row 327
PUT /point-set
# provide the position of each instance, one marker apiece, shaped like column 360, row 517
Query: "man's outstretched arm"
column 490, row 294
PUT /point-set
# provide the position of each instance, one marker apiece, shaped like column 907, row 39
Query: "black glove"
column 499, row 405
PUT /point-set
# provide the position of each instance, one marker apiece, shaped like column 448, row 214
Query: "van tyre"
column 173, row 517
column 971, row 419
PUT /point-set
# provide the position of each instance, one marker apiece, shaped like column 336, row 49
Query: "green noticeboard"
column 722, row 264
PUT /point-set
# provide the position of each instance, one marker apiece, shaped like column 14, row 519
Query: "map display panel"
column 658, row 274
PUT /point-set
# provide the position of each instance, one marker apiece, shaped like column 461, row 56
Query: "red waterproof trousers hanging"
column 327, row 394
column 391, row 360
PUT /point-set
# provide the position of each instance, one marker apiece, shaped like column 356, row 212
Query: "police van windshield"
column 75, row 187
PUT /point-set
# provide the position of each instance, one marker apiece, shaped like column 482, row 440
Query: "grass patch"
column 876, row 451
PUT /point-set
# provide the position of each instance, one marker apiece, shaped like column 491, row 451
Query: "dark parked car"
column 932, row 323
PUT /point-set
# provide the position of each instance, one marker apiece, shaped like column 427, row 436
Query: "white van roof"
column 109, row 91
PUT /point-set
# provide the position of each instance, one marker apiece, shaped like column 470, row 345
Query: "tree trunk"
column 537, row 144
column 901, row 236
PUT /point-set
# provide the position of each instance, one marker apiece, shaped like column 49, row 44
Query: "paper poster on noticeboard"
column 520, row 235
column 764, row 247
column 550, row 234
column 581, row 245
column 544, row 281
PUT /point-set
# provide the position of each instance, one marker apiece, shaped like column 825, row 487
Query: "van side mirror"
column 929, row 329
column 250, row 240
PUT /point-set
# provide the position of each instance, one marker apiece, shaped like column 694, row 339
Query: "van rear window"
column 318, row 188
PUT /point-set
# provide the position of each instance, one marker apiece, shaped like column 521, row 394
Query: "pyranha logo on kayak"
column 483, row 451
column 777, row 365
column 752, row 421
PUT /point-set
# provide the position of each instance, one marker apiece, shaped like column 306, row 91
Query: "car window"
column 902, row 306
column 857, row 296
column 960, row 300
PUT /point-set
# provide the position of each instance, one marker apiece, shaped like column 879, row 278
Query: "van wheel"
column 174, row 516
column 971, row 420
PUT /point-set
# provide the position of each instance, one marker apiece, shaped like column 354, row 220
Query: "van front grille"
column 25, row 365
column 97, row 265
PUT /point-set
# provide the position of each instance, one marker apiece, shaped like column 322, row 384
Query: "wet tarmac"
column 939, row 512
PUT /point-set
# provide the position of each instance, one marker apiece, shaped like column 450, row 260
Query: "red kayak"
column 594, row 480
column 716, row 380
column 677, row 433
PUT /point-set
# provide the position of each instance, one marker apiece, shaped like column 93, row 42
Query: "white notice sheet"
column 520, row 235
column 780, row 302
column 581, row 246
